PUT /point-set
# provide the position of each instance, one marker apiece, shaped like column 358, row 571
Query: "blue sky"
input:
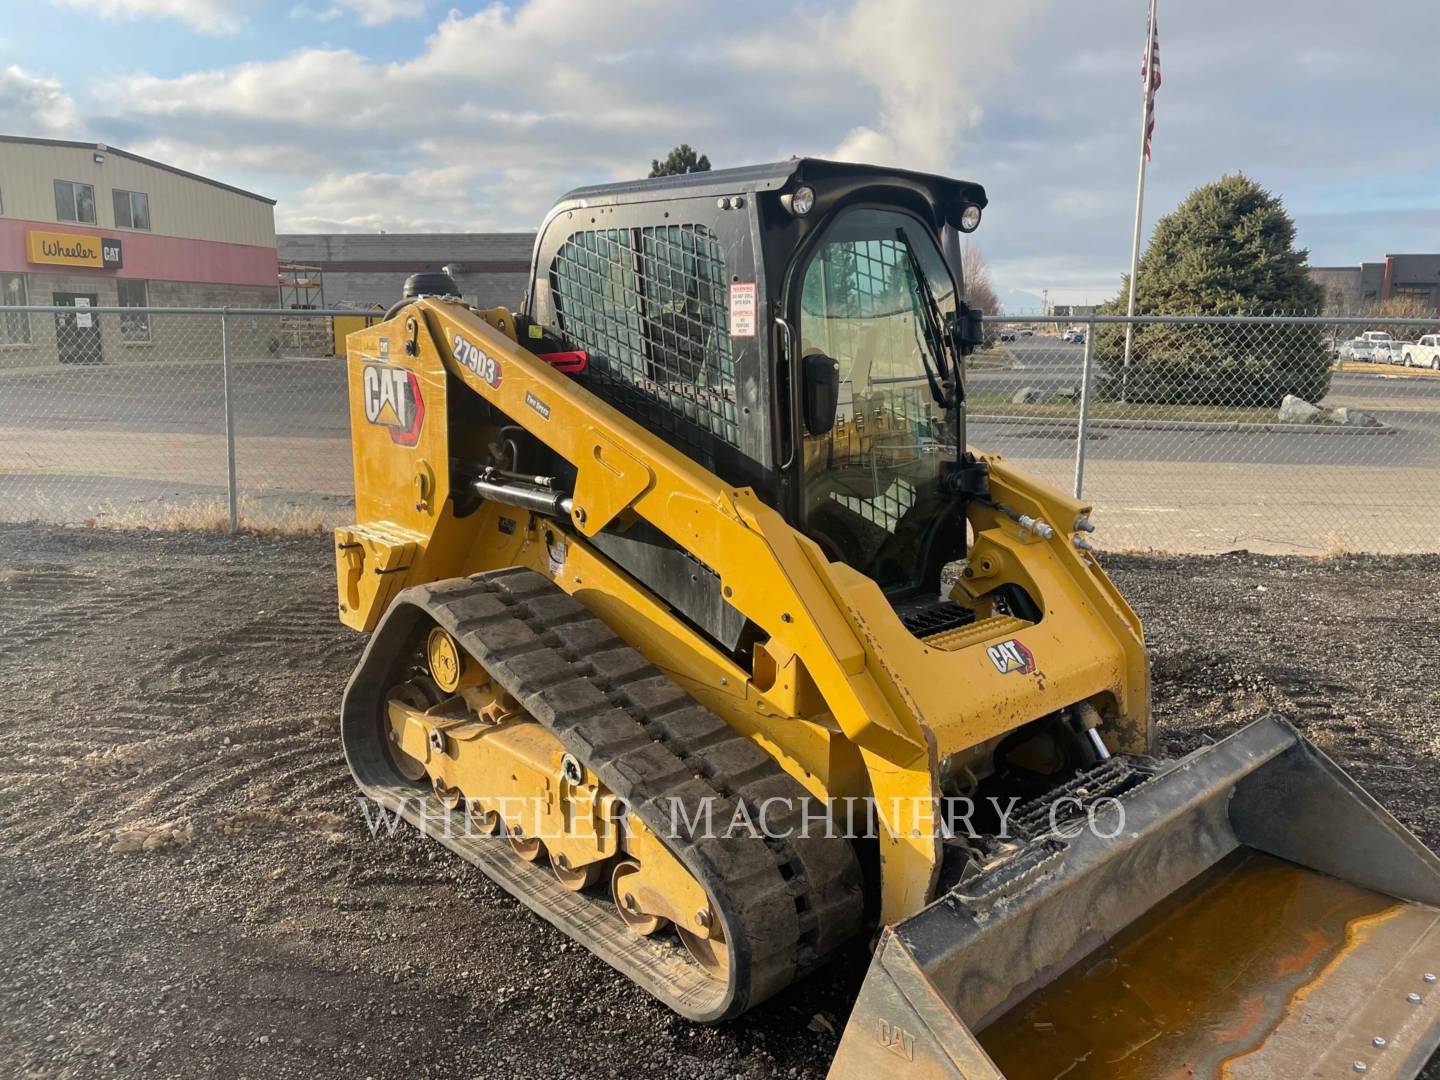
column 410, row 115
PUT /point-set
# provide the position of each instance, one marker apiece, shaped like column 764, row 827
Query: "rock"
column 820, row 1023
column 1294, row 410
column 1351, row 418
column 127, row 842
column 1027, row 395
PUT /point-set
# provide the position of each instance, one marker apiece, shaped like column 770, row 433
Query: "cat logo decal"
column 1011, row 656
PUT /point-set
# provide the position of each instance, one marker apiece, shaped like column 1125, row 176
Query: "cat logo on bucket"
column 393, row 400
column 1011, row 656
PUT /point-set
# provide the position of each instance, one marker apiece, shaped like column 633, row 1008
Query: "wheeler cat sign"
column 72, row 249
column 393, row 400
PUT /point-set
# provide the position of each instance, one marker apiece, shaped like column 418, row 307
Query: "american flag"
column 1150, row 71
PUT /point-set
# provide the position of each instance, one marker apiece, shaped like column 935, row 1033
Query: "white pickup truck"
column 1423, row 353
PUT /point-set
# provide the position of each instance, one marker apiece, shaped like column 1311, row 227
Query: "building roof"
column 105, row 148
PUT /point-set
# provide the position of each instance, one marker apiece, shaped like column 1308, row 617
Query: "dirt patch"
column 190, row 888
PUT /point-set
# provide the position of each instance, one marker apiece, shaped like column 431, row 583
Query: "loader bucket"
column 1258, row 915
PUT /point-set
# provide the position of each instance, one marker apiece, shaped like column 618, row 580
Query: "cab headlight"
column 800, row 201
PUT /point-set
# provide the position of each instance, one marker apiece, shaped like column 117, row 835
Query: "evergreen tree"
column 1228, row 249
column 680, row 161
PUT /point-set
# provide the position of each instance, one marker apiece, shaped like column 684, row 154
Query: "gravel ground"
column 189, row 888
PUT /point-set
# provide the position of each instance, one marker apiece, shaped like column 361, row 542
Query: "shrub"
column 1228, row 249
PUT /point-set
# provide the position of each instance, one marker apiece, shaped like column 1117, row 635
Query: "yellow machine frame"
column 840, row 693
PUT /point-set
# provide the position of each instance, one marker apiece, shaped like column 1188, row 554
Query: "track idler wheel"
column 711, row 953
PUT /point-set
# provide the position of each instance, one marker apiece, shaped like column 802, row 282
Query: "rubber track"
column 786, row 903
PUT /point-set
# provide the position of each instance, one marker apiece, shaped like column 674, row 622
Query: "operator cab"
column 797, row 328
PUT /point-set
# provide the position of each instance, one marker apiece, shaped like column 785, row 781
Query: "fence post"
column 1084, row 423
column 232, row 488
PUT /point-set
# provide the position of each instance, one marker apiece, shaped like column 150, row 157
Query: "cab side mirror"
column 820, row 394
column 966, row 329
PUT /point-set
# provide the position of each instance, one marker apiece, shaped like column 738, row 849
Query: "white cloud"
column 515, row 104
column 366, row 12
column 929, row 66
column 33, row 105
column 380, row 12
column 498, row 111
column 207, row 16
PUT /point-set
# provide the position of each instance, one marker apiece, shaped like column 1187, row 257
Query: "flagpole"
column 1148, row 103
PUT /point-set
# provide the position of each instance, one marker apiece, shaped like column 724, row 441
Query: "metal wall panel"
column 180, row 206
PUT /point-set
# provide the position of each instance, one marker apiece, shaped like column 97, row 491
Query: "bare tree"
column 979, row 292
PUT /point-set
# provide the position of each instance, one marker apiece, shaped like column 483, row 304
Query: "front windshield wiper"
column 941, row 381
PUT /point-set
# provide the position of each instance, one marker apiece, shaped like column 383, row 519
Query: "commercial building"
column 1360, row 290
column 367, row 270
column 88, row 225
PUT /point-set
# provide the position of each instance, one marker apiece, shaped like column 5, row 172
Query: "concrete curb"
column 1181, row 425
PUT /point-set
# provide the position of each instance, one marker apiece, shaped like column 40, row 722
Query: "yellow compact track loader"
column 695, row 625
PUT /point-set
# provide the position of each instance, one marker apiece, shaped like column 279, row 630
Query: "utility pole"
column 1145, row 110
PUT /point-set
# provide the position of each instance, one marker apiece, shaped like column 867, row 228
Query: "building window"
column 14, row 325
column 134, row 327
column 132, row 209
column 74, row 201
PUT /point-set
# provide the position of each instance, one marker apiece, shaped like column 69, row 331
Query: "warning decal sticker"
column 742, row 309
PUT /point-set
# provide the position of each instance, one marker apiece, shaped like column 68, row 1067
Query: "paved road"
column 300, row 398
column 1410, row 404
column 131, row 443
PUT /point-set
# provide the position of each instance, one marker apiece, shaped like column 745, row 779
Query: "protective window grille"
column 887, row 455
column 859, row 290
column 650, row 305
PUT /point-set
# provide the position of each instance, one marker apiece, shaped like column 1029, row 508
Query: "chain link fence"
column 1178, row 430
column 1273, row 434
column 167, row 417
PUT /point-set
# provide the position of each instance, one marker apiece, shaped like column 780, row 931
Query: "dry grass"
column 213, row 515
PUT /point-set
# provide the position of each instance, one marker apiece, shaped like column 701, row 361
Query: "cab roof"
column 774, row 177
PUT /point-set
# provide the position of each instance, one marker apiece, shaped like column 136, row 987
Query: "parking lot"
column 142, row 443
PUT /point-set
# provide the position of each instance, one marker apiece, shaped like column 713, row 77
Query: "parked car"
column 1424, row 353
column 1388, row 352
column 1007, row 335
column 1375, row 337
column 1027, row 332
column 1357, row 349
